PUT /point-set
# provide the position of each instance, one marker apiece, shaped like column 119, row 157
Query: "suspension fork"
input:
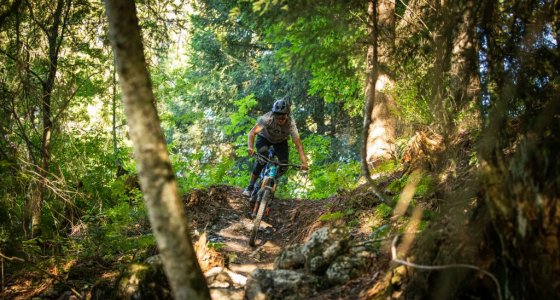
column 264, row 185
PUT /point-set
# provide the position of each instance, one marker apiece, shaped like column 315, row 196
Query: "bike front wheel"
column 257, row 221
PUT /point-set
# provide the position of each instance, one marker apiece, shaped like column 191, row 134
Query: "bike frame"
column 267, row 179
column 264, row 191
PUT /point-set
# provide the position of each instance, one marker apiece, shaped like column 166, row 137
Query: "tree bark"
column 118, row 164
column 463, row 69
column 371, row 78
column 381, row 136
column 156, row 176
column 455, row 79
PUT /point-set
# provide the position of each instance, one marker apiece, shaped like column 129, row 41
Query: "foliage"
column 385, row 167
column 215, row 245
column 329, row 53
column 317, row 147
column 410, row 93
column 423, row 187
column 331, row 216
column 383, row 211
column 324, row 181
column 241, row 122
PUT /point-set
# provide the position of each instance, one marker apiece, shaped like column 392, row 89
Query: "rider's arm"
column 299, row 147
column 252, row 133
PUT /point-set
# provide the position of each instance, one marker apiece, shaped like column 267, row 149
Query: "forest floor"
column 221, row 224
column 224, row 215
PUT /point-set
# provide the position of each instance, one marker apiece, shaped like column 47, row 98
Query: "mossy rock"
column 143, row 281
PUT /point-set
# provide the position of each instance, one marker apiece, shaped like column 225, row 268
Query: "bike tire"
column 257, row 221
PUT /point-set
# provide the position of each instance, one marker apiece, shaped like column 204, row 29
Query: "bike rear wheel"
column 257, row 221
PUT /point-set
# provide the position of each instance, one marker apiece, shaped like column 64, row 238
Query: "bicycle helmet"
column 281, row 106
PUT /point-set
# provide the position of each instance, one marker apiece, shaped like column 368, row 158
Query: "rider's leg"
column 282, row 150
column 249, row 189
column 261, row 145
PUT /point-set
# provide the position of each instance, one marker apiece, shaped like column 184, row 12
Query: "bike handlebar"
column 266, row 159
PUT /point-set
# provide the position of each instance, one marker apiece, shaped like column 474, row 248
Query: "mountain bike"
column 263, row 193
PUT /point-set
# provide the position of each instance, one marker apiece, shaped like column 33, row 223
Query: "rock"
column 291, row 258
column 279, row 284
column 219, row 277
column 144, row 281
column 155, row 261
column 323, row 247
column 317, row 264
column 102, row 289
column 345, row 268
column 229, row 294
column 327, row 259
column 237, row 279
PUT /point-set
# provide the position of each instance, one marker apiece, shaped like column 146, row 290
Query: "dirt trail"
column 223, row 215
column 220, row 216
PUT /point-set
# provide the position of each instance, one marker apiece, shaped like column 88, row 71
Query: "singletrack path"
column 220, row 218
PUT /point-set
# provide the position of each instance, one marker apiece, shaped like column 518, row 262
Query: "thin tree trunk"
column 156, row 176
column 442, row 45
column 118, row 163
column 454, row 76
column 371, row 78
column 55, row 36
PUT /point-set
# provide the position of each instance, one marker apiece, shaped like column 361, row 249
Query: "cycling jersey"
column 275, row 133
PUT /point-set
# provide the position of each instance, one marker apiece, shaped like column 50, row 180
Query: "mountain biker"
column 273, row 129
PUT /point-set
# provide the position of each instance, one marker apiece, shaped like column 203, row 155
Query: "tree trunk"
column 156, row 176
column 118, row 164
column 55, row 36
column 442, row 44
column 456, row 84
column 381, row 136
column 463, row 69
column 371, row 78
